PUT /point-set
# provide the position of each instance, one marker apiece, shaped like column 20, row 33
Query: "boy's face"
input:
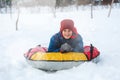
column 67, row 33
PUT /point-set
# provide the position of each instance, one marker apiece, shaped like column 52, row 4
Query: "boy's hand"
column 65, row 48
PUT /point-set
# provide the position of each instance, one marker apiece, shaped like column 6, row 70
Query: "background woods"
column 53, row 3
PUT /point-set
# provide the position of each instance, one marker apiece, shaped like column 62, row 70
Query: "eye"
column 64, row 30
column 69, row 30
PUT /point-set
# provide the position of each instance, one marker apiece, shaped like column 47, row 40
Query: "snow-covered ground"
column 37, row 28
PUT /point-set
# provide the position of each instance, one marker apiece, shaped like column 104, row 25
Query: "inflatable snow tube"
column 58, row 61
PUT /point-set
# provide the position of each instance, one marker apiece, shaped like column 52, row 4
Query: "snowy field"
column 37, row 28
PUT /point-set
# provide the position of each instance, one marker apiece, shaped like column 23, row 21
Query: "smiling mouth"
column 67, row 35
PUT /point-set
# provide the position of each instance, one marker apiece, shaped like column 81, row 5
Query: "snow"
column 36, row 28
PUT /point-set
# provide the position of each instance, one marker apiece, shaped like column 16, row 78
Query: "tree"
column 5, row 4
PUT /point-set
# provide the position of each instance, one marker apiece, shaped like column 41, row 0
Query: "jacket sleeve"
column 79, row 46
column 53, row 45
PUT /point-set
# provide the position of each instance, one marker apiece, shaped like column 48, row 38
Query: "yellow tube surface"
column 58, row 56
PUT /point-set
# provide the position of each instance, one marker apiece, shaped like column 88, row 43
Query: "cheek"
column 63, row 33
column 70, row 33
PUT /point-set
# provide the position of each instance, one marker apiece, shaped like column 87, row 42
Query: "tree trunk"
column 110, row 8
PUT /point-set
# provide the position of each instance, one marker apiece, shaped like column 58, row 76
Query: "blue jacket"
column 57, row 40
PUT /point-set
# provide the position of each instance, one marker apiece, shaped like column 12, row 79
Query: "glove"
column 66, row 48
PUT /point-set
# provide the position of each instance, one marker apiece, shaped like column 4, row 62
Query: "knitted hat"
column 68, row 24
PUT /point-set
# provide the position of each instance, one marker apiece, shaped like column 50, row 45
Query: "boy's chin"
column 67, row 37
